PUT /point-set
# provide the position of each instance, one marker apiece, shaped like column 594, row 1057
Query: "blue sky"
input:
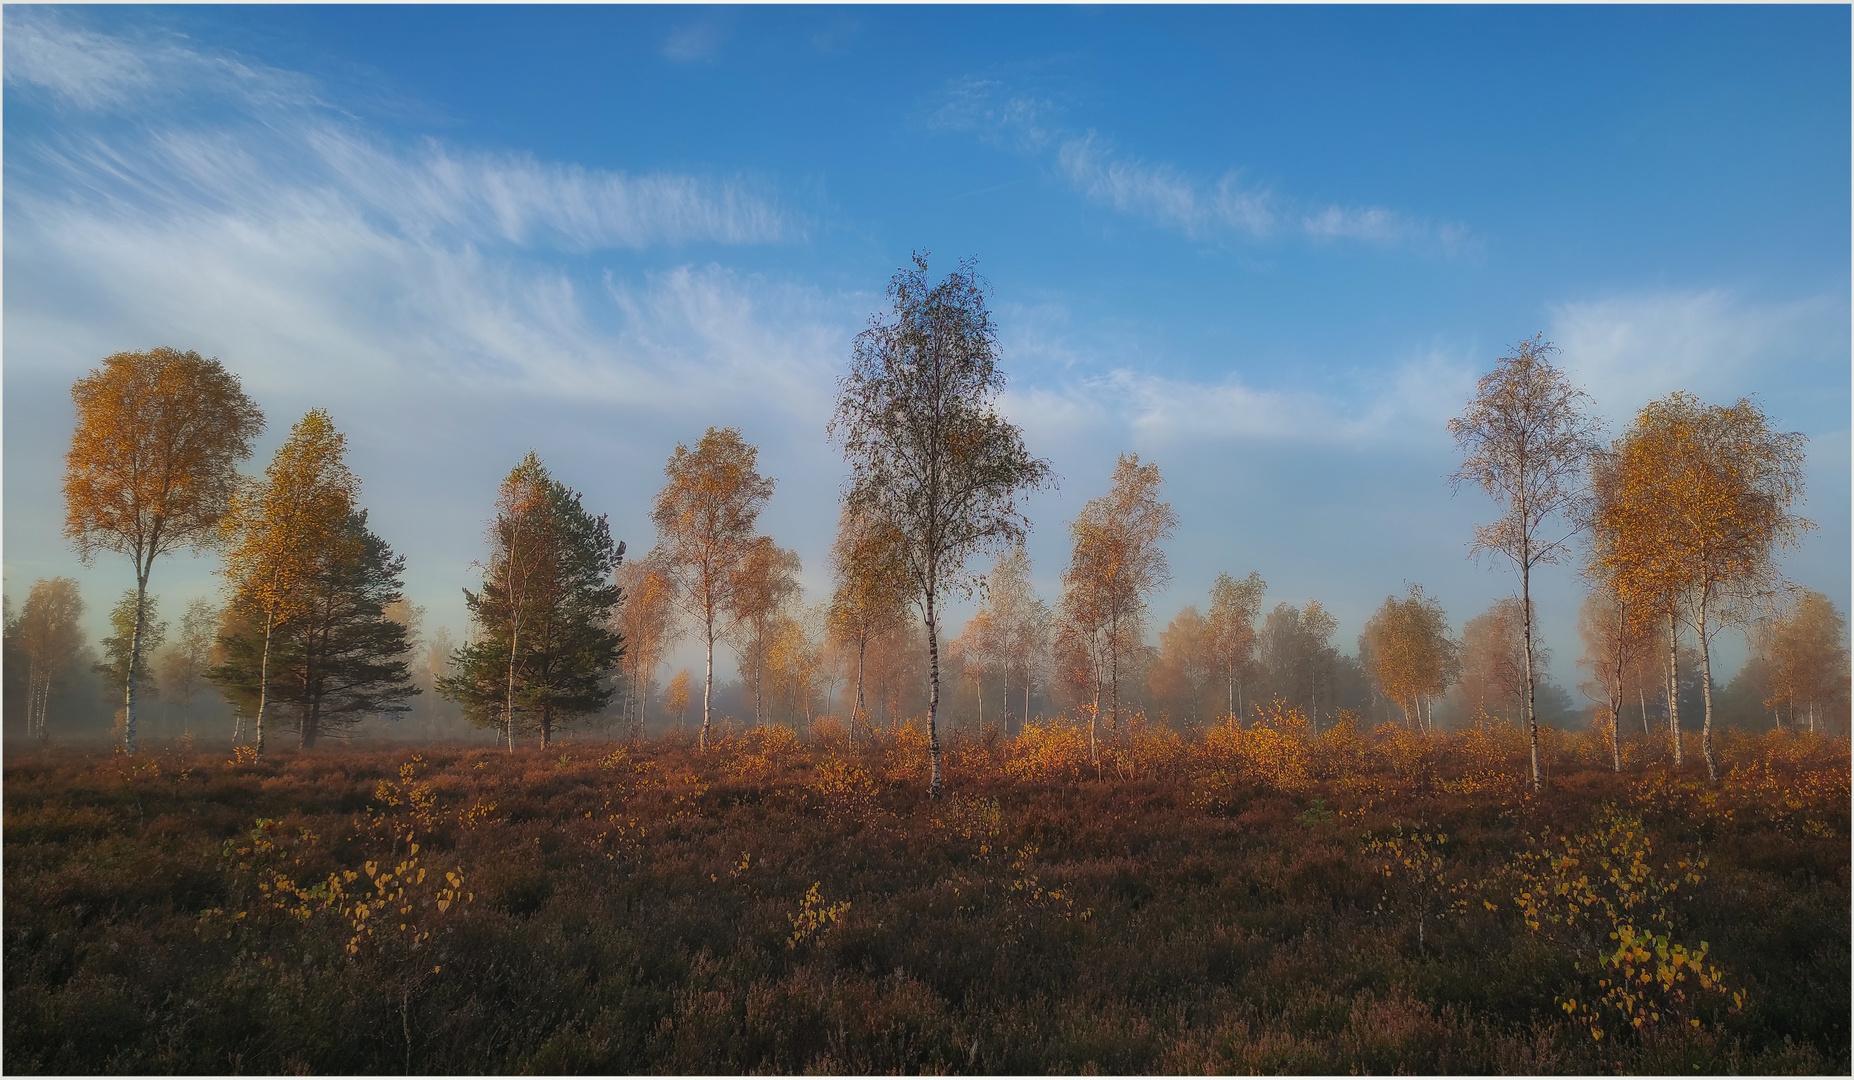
column 1270, row 249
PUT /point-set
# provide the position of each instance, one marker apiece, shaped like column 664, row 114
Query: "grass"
column 1242, row 900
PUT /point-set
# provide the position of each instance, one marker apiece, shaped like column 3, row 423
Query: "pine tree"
column 340, row 658
column 544, row 651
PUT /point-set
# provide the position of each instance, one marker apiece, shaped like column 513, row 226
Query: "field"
column 1243, row 899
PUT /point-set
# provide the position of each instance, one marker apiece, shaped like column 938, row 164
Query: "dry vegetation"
column 1241, row 899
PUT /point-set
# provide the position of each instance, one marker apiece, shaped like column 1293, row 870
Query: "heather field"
column 1239, row 900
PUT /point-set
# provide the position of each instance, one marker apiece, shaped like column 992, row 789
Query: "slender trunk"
column 1026, row 716
column 933, row 697
column 1615, row 693
column 708, row 684
column 1812, row 718
column 1673, row 682
column 1712, row 764
column 1113, row 654
column 1532, row 716
column 862, row 650
column 1641, row 692
column 1094, row 720
column 270, row 623
column 135, row 654
column 547, row 726
column 508, row 708
column 759, row 675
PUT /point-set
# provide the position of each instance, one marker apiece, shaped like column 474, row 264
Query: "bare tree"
column 705, row 516
column 930, row 457
column 1526, row 439
column 153, row 465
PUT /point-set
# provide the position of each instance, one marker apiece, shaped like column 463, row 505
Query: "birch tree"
column 1408, row 653
column 1115, row 564
column 869, row 596
column 705, row 516
column 1230, row 631
column 282, row 530
column 765, row 583
column 50, row 633
column 1526, row 440
column 153, row 466
column 1700, row 511
column 931, row 459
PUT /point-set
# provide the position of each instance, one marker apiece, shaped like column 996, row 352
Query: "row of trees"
column 1683, row 515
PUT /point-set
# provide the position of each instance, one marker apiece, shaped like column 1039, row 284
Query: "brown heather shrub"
column 1255, row 897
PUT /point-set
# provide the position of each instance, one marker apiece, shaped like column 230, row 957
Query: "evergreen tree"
column 544, row 650
column 340, row 658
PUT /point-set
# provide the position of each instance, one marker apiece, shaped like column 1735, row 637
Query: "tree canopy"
column 930, row 456
column 544, row 649
column 153, row 466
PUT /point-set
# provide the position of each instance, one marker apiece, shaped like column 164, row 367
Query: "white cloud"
column 1627, row 351
column 48, row 51
column 1167, row 195
column 1163, row 193
column 515, row 198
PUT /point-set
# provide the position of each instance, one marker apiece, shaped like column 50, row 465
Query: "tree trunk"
column 933, row 698
column 135, row 653
column 1673, row 682
column 1094, row 720
column 1615, row 693
column 708, row 684
column 547, row 726
column 270, row 622
column 862, row 650
column 1113, row 653
column 1712, row 764
column 1532, row 716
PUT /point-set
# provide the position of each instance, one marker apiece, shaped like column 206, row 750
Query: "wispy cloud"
column 281, row 148
column 1199, row 207
column 1628, row 350
column 49, row 53
column 693, row 43
column 1165, row 194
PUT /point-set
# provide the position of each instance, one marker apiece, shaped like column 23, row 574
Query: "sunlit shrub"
column 813, row 916
column 845, row 788
column 761, row 750
column 1053, row 750
column 1605, row 884
column 1411, row 863
column 905, row 749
